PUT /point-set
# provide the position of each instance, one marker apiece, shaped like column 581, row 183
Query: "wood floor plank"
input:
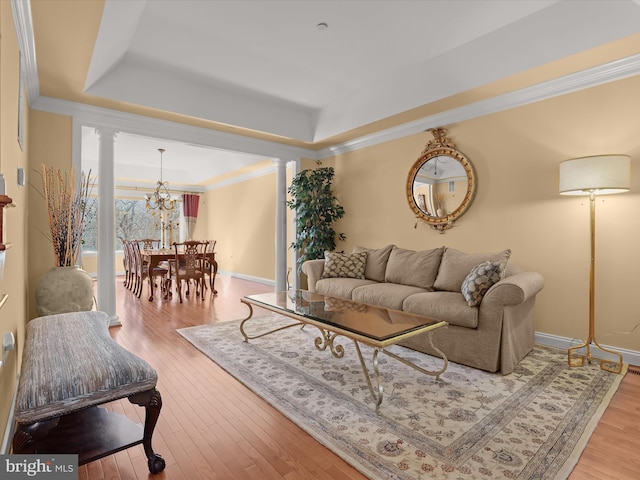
column 213, row 427
column 125, row 468
column 109, row 467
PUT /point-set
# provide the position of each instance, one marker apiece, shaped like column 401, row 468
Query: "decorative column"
column 294, row 280
column 281, row 224
column 106, row 224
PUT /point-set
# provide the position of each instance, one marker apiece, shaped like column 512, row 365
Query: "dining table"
column 153, row 258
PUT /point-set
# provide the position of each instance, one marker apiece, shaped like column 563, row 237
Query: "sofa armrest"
column 514, row 289
column 313, row 269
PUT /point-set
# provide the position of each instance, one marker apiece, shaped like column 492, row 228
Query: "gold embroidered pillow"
column 345, row 265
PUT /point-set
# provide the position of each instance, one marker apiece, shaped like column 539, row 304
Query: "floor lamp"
column 597, row 175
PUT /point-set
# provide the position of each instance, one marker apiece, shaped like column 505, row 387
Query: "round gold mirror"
column 441, row 183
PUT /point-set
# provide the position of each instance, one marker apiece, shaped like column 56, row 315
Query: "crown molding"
column 24, row 31
column 142, row 189
column 243, row 178
column 136, row 189
column 100, row 117
column 609, row 72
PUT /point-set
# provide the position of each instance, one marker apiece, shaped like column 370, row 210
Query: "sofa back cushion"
column 377, row 259
column 417, row 269
column 456, row 265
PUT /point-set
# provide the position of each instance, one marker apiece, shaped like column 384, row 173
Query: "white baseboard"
column 631, row 357
column 250, row 278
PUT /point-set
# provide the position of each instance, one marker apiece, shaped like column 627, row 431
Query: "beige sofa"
column 490, row 314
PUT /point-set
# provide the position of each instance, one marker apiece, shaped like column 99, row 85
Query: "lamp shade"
column 600, row 174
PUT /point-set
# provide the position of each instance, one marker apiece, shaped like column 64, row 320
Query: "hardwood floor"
column 213, row 427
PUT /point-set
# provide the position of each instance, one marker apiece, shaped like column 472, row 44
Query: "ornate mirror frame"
column 440, row 146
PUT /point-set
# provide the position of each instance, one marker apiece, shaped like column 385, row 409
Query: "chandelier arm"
column 161, row 199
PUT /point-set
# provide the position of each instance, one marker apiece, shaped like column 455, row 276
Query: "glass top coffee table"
column 335, row 317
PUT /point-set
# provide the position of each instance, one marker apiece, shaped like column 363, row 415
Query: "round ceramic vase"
column 63, row 290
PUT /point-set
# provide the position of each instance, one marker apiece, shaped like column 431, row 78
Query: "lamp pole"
column 576, row 360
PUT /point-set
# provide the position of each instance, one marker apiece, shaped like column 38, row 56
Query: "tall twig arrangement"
column 67, row 209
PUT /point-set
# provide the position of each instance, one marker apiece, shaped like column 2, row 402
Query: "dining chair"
column 126, row 261
column 150, row 244
column 132, row 280
column 211, row 266
column 142, row 272
column 189, row 264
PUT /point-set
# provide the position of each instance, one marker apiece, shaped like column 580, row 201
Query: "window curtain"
column 190, row 212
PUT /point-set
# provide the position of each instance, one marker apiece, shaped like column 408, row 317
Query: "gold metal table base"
column 327, row 340
column 378, row 393
column 247, row 337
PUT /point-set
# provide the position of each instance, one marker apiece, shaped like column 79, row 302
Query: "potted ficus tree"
column 316, row 208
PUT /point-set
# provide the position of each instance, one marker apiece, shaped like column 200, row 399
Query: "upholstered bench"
column 71, row 365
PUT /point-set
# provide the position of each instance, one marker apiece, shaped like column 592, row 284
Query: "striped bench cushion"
column 70, row 362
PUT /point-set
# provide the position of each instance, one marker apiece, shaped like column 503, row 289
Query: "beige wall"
column 516, row 155
column 241, row 218
column 14, row 280
column 50, row 143
column 201, row 232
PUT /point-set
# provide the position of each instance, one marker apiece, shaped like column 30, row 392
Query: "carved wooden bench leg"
column 152, row 402
column 26, row 436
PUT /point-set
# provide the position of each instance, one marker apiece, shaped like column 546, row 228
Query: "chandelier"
column 161, row 198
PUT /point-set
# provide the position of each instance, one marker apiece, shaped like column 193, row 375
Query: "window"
column 133, row 221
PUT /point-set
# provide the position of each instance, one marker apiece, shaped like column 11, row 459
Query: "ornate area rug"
column 530, row 424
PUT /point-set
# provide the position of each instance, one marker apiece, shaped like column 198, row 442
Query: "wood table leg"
column 212, row 277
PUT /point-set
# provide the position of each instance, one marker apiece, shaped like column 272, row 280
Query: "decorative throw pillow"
column 456, row 265
column 345, row 265
column 481, row 278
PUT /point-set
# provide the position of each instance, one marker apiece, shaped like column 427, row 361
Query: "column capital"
column 281, row 162
column 107, row 133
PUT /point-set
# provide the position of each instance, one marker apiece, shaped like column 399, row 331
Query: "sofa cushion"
column 340, row 287
column 449, row 307
column 377, row 260
column 344, row 265
column 481, row 278
column 417, row 269
column 387, row 295
column 456, row 265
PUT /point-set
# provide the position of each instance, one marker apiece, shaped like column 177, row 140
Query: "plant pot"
column 64, row 289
